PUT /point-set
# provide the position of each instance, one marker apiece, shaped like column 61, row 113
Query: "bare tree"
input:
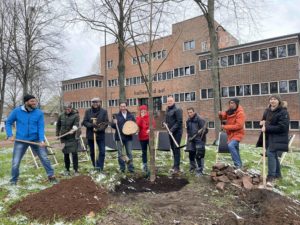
column 37, row 39
column 13, row 92
column 6, row 39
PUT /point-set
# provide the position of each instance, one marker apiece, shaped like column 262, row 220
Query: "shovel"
column 123, row 157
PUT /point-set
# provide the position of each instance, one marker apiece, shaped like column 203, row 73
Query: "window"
column 231, row 91
column 224, row 91
column 224, row 61
column 238, row 59
column 209, row 63
column 176, row 74
column 164, row 99
column 248, row 124
column 273, row 87
column 109, row 64
column 193, row 96
column 204, row 46
column 134, row 60
column 247, row 89
column 283, row 86
column 210, row 93
column 187, row 70
column 176, row 97
column 291, row 49
column 282, row 51
column 164, row 75
column 256, row 125
column 143, row 59
column 239, row 90
column 187, row 97
column 293, row 86
column 273, row 53
column 230, row 60
column 203, row 64
column 159, row 54
column 263, row 54
column 169, row 75
column 188, row 45
column 246, row 57
column 254, row 56
column 211, row 124
column 294, row 125
column 181, row 97
column 203, row 93
column 181, row 71
column 264, row 88
column 192, row 69
column 255, row 89
column 164, row 54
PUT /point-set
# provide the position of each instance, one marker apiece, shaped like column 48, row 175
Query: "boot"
column 145, row 168
column 192, row 166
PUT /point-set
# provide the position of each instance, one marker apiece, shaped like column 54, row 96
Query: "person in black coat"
column 174, row 122
column 120, row 119
column 97, row 125
column 275, row 123
column 196, row 146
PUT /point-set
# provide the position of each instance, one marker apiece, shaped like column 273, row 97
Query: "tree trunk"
column 2, row 90
column 214, row 48
column 121, row 70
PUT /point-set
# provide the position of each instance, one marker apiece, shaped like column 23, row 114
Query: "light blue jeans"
column 128, row 147
column 18, row 153
column 233, row 147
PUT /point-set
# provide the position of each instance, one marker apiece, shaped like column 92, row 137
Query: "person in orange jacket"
column 144, row 128
column 234, row 127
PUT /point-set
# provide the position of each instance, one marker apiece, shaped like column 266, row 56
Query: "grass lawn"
column 33, row 180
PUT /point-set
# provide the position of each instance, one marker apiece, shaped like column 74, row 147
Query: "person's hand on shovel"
column 11, row 139
column 42, row 144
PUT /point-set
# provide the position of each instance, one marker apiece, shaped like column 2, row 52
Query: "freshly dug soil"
column 265, row 208
column 70, row 199
column 162, row 184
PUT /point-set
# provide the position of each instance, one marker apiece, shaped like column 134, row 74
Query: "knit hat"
column 143, row 107
column 27, row 98
column 235, row 100
column 277, row 97
column 95, row 99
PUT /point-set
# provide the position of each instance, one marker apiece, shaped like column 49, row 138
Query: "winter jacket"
column 102, row 117
column 235, row 124
column 121, row 121
column 277, row 129
column 144, row 126
column 193, row 125
column 174, row 119
column 30, row 124
column 64, row 124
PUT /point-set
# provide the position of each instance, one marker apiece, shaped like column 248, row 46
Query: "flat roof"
column 284, row 37
column 84, row 77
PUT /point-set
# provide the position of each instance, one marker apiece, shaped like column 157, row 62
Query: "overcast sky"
column 277, row 18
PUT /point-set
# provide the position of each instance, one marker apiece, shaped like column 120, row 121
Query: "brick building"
column 249, row 71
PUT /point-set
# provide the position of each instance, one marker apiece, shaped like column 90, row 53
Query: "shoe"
column 175, row 171
column 52, row 180
column 67, row 173
column 199, row 174
column 13, row 183
column 270, row 181
column 76, row 174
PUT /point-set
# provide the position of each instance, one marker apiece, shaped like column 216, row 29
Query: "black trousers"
column 68, row 162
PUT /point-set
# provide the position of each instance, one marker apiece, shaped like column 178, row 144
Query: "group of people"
column 30, row 132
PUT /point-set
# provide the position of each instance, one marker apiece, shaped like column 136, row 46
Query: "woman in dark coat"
column 69, row 121
column 275, row 124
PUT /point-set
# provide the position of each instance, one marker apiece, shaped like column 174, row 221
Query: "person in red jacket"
column 234, row 127
column 144, row 128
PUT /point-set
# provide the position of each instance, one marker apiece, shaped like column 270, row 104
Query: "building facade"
column 181, row 67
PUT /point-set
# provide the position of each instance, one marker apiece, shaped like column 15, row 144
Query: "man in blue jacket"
column 30, row 127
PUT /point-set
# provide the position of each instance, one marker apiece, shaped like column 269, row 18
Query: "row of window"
column 189, row 45
column 282, row 87
column 82, row 104
column 252, row 56
column 80, row 85
column 181, row 97
column 154, row 55
column 294, row 125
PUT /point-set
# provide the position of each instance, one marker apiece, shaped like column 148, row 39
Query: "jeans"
column 196, row 157
column 176, row 151
column 101, row 153
column 68, row 162
column 273, row 164
column 144, row 145
column 233, row 147
column 128, row 147
column 18, row 153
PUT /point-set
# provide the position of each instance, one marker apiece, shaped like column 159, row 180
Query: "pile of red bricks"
column 223, row 174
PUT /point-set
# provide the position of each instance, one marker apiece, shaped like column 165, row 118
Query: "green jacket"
column 64, row 124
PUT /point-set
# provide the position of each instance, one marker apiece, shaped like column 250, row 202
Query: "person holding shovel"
column 118, row 122
column 173, row 123
column 29, row 128
column 234, row 127
column 96, row 121
column 275, row 123
column 66, row 126
column 194, row 124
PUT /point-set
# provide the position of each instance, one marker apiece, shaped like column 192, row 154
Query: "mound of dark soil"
column 162, row 184
column 265, row 208
column 70, row 199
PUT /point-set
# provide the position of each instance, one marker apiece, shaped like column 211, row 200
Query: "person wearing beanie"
column 143, row 122
column 234, row 127
column 68, row 122
column 30, row 127
column 96, row 121
column 275, row 123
